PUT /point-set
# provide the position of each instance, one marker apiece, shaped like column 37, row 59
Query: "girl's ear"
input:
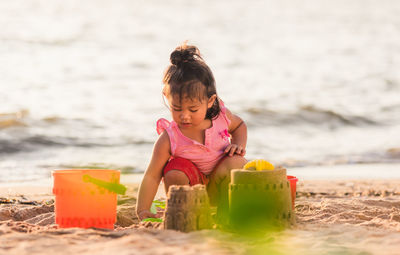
column 164, row 92
column 211, row 101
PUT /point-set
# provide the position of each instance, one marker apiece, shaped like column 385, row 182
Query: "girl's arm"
column 238, row 131
column 152, row 177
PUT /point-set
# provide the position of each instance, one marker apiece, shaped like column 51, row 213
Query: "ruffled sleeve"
column 223, row 112
column 162, row 124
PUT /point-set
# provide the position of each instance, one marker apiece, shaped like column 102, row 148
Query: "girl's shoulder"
column 221, row 105
column 223, row 114
column 169, row 131
column 163, row 143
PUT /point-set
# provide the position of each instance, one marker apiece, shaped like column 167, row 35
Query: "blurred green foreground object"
column 153, row 209
column 260, row 200
column 111, row 186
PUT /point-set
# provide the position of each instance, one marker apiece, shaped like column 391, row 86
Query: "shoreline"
column 347, row 173
column 379, row 171
column 322, row 172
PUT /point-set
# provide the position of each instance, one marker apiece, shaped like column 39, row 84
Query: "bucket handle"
column 111, row 186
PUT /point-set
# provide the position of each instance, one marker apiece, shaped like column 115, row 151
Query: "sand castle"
column 260, row 199
column 257, row 199
column 187, row 208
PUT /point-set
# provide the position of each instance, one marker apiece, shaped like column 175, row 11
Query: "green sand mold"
column 260, row 200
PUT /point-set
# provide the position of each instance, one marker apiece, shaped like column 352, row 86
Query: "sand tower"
column 259, row 199
column 188, row 208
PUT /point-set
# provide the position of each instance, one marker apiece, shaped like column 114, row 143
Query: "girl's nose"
column 185, row 116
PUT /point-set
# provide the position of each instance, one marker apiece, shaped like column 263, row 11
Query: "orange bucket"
column 292, row 180
column 86, row 197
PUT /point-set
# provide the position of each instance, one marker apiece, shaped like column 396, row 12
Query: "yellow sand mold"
column 258, row 165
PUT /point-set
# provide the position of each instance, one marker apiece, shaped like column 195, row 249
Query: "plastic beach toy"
column 86, row 197
column 259, row 165
column 110, row 186
column 292, row 180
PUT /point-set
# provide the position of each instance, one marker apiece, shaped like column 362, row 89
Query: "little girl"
column 202, row 143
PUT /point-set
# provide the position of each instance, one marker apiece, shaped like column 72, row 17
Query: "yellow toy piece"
column 258, row 165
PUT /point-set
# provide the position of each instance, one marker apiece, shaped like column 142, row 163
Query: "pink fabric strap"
column 162, row 124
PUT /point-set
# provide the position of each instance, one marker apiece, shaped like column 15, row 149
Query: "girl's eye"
column 176, row 110
column 193, row 110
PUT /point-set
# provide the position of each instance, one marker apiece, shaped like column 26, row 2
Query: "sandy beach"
column 333, row 217
column 316, row 82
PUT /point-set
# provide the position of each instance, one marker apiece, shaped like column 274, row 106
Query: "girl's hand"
column 235, row 149
column 144, row 214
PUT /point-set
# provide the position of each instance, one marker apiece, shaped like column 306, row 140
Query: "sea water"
column 316, row 81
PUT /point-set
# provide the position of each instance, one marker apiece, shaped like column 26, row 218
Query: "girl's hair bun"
column 189, row 76
column 185, row 53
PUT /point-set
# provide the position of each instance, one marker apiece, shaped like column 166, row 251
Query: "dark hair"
column 188, row 75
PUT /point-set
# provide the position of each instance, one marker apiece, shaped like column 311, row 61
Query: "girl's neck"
column 197, row 133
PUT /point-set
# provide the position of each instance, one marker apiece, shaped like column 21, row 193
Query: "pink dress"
column 205, row 156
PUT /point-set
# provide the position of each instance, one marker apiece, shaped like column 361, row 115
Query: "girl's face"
column 189, row 113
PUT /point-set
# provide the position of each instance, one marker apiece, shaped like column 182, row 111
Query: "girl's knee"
column 234, row 162
column 229, row 163
column 176, row 176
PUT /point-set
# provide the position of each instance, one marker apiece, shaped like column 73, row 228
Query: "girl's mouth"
column 186, row 124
